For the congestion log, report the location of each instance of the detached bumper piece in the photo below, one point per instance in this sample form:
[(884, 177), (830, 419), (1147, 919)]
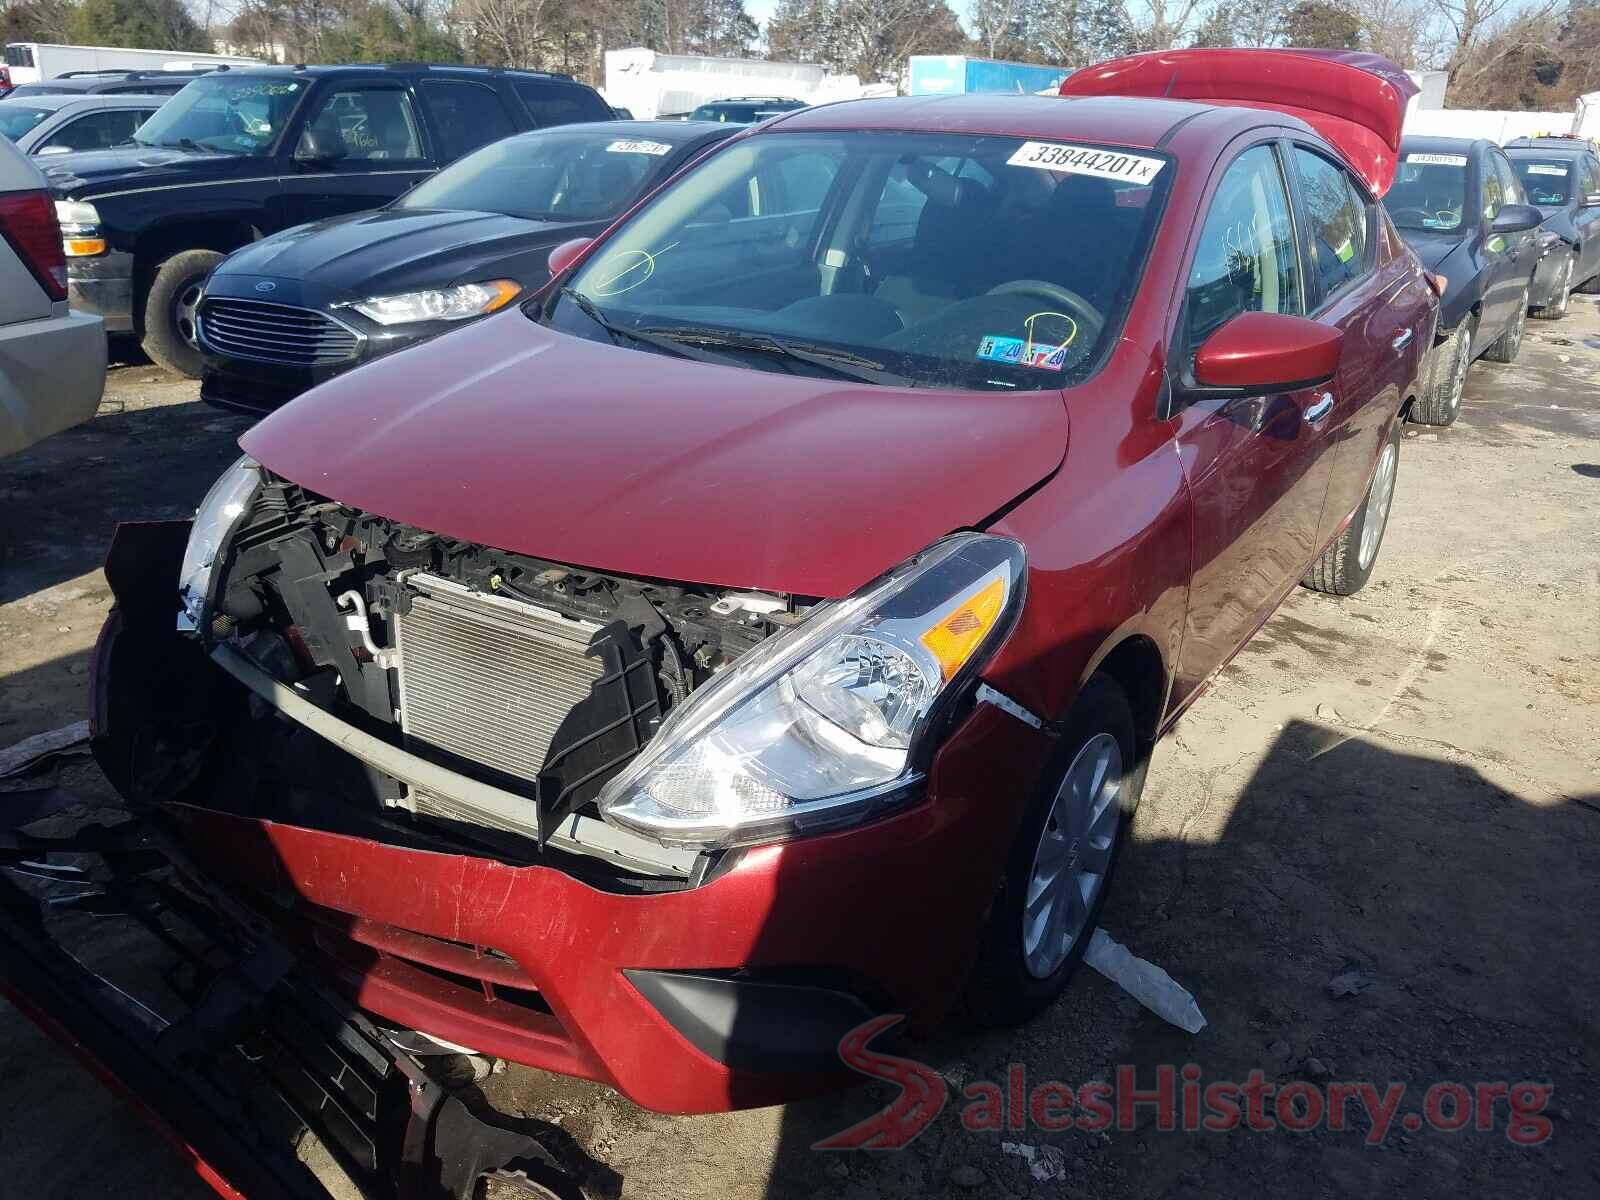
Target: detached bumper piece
[(190, 1009)]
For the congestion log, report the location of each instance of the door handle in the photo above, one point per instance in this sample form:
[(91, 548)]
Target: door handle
[(1318, 412), (1401, 342)]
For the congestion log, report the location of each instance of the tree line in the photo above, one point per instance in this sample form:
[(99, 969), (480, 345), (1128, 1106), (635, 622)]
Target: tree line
[(1497, 53)]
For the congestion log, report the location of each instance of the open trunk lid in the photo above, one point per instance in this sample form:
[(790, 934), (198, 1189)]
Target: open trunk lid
[(1354, 99)]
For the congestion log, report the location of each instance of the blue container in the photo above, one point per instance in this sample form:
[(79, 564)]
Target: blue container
[(954, 74)]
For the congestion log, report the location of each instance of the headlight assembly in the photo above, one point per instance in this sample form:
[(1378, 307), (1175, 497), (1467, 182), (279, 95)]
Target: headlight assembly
[(443, 304), (827, 723), (80, 229), (219, 513)]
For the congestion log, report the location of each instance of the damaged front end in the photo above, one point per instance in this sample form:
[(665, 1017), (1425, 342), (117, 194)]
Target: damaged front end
[(399, 682)]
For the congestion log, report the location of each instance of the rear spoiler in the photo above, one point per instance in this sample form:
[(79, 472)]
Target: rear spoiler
[(1357, 101)]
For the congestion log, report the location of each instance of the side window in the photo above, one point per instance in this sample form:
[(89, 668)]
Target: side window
[(368, 125), (1510, 185), (1494, 192), (1246, 260), (97, 131), (554, 104), (1336, 220), (802, 182), (465, 115), (1591, 178)]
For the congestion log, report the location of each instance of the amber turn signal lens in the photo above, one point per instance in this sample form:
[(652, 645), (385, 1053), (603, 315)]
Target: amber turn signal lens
[(953, 640), (83, 247)]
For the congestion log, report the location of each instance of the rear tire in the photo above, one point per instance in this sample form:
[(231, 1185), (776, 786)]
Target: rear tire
[(169, 307), (1347, 564), (1016, 978), (1504, 348), (1440, 402), (1557, 308)]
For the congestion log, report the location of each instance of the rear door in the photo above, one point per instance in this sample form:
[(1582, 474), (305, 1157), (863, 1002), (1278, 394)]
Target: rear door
[(1370, 296), (1257, 465), (379, 147)]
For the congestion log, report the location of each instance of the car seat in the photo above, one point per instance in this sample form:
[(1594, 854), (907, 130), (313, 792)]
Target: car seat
[(951, 255)]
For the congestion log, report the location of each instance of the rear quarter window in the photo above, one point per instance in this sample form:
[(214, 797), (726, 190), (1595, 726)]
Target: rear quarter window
[(558, 104)]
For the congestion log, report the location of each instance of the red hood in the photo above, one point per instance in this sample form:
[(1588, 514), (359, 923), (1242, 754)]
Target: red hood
[(514, 436), (1354, 99)]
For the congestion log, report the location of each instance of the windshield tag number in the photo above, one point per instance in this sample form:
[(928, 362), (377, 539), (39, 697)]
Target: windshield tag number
[(1085, 160), (1438, 160), (1541, 169), (627, 147)]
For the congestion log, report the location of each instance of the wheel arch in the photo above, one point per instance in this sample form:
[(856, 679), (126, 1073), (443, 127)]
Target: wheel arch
[(1136, 664), (161, 242)]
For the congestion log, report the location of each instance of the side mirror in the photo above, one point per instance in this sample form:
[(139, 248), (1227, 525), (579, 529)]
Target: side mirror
[(1268, 352), (1591, 200), (1516, 218), (564, 255), (319, 146)]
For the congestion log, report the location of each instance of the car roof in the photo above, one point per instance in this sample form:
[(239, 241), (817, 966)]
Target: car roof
[(59, 100), (1548, 147), (364, 70), (1118, 120), (1441, 145)]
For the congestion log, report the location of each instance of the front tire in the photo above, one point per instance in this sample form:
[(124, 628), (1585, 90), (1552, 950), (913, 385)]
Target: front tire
[(169, 310), (1059, 870), (1440, 403), (1505, 347), (1557, 308), (1346, 565)]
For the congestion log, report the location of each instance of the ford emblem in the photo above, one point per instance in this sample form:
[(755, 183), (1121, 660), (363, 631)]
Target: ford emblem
[(266, 285)]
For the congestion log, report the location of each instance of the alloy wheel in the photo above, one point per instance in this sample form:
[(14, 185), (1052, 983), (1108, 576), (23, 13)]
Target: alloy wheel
[(1563, 288), (1458, 380), (1379, 497), (1522, 323), (185, 311), (1073, 856)]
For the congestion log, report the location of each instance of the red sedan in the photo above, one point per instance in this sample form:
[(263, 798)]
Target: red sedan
[(770, 624)]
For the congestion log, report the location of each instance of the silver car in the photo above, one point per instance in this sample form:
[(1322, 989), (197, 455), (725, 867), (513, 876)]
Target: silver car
[(52, 360), (59, 124)]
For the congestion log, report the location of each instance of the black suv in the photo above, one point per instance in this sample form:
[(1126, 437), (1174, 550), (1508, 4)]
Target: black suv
[(746, 110), (244, 152)]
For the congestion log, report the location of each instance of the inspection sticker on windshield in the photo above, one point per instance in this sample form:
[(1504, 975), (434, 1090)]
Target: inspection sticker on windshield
[(1085, 160), (1541, 169), (656, 148), (1438, 160), (1019, 353)]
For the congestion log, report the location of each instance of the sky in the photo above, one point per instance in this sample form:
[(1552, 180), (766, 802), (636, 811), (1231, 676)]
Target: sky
[(761, 10)]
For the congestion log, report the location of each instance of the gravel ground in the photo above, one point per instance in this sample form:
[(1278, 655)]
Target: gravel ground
[(1403, 785)]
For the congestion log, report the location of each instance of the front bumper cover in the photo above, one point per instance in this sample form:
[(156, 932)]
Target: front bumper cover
[(103, 285), (529, 963)]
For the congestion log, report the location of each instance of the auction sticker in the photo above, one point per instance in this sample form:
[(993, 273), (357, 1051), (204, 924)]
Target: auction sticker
[(1438, 160), (657, 148), (1541, 169), (1086, 160), (1018, 353)]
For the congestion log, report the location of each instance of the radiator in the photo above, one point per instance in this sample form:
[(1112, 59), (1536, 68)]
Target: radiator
[(487, 679)]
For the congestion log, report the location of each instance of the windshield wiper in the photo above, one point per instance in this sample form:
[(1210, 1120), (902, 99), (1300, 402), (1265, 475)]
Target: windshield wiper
[(840, 362), (186, 144), (643, 336)]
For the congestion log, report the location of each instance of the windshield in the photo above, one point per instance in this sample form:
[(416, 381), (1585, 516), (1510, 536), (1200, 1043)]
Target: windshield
[(1548, 181), (549, 177), (937, 259), (15, 120), (1429, 191), (238, 115), (25, 90)]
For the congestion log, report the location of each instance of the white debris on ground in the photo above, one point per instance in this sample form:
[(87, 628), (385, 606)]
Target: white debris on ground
[(1045, 1163), (1144, 981)]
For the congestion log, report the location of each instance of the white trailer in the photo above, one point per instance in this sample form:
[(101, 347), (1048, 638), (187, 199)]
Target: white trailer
[(29, 62), (651, 85)]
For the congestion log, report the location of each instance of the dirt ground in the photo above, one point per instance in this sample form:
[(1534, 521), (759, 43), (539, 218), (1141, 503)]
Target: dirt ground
[(1405, 784)]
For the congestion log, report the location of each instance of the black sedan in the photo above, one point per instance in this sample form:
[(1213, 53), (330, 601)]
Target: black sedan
[(1459, 205), (304, 305), (1561, 175)]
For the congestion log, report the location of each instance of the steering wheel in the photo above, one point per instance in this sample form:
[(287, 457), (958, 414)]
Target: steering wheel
[(1423, 214), (1083, 314)]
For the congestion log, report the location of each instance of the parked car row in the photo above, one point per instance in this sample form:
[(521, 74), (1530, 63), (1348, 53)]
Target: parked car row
[(767, 622), (1504, 230)]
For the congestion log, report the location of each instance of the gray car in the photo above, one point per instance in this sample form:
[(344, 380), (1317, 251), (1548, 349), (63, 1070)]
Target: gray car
[(52, 360), (59, 124)]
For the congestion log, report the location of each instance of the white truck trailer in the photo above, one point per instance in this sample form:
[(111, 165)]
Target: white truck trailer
[(30, 62)]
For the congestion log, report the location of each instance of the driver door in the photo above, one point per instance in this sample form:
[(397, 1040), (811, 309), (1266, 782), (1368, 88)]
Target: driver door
[(379, 152), (1257, 466)]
